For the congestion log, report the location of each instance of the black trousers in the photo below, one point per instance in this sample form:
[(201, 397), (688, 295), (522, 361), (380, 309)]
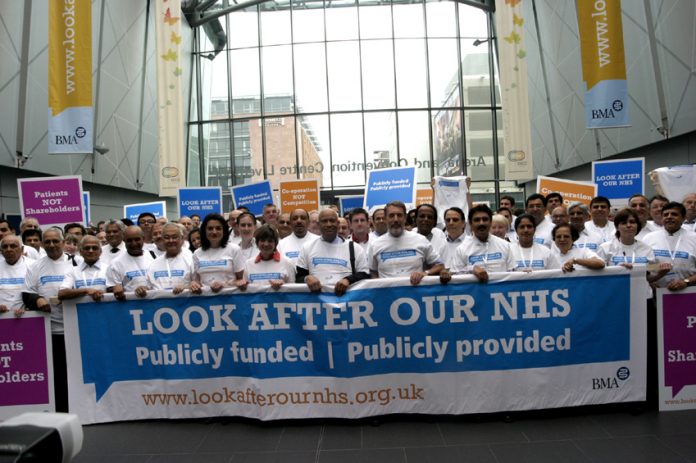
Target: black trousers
[(60, 373)]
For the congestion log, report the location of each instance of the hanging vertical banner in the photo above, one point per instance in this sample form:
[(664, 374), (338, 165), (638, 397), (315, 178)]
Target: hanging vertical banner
[(603, 63), (514, 91), (170, 112), (70, 114)]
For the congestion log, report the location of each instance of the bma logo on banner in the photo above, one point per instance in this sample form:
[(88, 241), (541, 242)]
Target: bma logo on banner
[(622, 374), (607, 113), (71, 139)]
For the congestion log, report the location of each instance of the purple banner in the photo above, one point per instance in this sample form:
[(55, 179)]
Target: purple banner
[(679, 334), (52, 200), (24, 378)]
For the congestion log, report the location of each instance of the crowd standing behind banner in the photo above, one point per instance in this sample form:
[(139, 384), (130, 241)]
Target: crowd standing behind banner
[(39, 268)]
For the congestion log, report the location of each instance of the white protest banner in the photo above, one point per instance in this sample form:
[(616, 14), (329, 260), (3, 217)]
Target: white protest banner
[(529, 341)]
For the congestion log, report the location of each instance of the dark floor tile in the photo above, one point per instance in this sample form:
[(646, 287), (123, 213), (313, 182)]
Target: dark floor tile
[(646, 449), (470, 433), (539, 452), (402, 434), (341, 437), (563, 428), (151, 437), (192, 458), (451, 454), (275, 457), (298, 437), (242, 437), (82, 458), (652, 422), (362, 456), (684, 444)]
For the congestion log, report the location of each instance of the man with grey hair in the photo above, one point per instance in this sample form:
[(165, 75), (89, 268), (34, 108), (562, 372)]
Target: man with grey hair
[(689, 203), (88, 278), (13, 270), (41, 287), (173, 270), (114, 237), (30, 223), (579, 215)]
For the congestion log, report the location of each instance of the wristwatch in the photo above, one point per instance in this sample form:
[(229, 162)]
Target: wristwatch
[(687, 281)]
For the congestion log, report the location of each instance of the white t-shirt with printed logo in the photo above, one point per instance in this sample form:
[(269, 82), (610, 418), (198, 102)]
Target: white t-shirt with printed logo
[(129, 271), (289, 247), (397, 256), (12, 281), (678, 249), (217, 264), (44, 279), (86, 276), (330, 262), (493, 255), (263, 271), (170, 272), (535, 257)]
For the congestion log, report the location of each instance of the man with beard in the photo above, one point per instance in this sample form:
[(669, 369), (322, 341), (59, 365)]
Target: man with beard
[(579, 215), (673, 246), (128, 272), (87, 278), (482, 252), (289, 247), (330, 259), (13, 271), (399, 252), (41, 287)]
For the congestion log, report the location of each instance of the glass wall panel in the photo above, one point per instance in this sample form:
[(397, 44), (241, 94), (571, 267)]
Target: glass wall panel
[(479, 145), (375, 21), (247, 149), (380, 139), (310, 77), (244, 28), (277, 79), (214, 77), (246, 85), (280, 149), (342, 23), (193, 171), (344, 76), (414, 144), (314, 148), (447, 142), (444, 75), (473, 22), (378, 74), (218, 152), (441, 19), (275, 27), (347, 150), (408, 20), (308, 25), (475, 74), (412, 82)]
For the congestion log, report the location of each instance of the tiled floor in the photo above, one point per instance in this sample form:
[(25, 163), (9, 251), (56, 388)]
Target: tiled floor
[(599, 434)]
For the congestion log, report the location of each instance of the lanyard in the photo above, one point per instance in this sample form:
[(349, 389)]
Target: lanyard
[(673, 254)]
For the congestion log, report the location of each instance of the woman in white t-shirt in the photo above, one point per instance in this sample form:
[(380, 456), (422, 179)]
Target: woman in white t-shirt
[(625, 249), (568, 256), (268, 267), (526, 254), (217, 263), (246, 222)]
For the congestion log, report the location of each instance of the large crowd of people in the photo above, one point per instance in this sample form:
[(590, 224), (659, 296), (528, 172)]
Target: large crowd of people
[(40, 268)]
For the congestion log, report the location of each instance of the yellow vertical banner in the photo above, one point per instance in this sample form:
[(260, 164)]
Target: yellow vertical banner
[(603, 63), (70, 112), (170, 114), (514, 90)]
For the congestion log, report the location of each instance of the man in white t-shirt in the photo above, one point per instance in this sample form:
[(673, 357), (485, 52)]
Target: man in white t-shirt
[(426, 218), (173, 270), (600, 224), (455, 223), (13, 271), (128, 272), (675, 247), (689, 203), (641, 207), (379, 223), (88, 278), (327, 259), (114, 236), (400, 252), (536, 207), (289, 247), (482, 252), (579, 215), (41, 287)]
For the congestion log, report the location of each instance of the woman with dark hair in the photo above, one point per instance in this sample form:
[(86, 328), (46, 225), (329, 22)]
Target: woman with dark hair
[(268, 267), (194, 239), (246, 222), (527, 254), (625, 249), (217, 263), (568, 256)]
